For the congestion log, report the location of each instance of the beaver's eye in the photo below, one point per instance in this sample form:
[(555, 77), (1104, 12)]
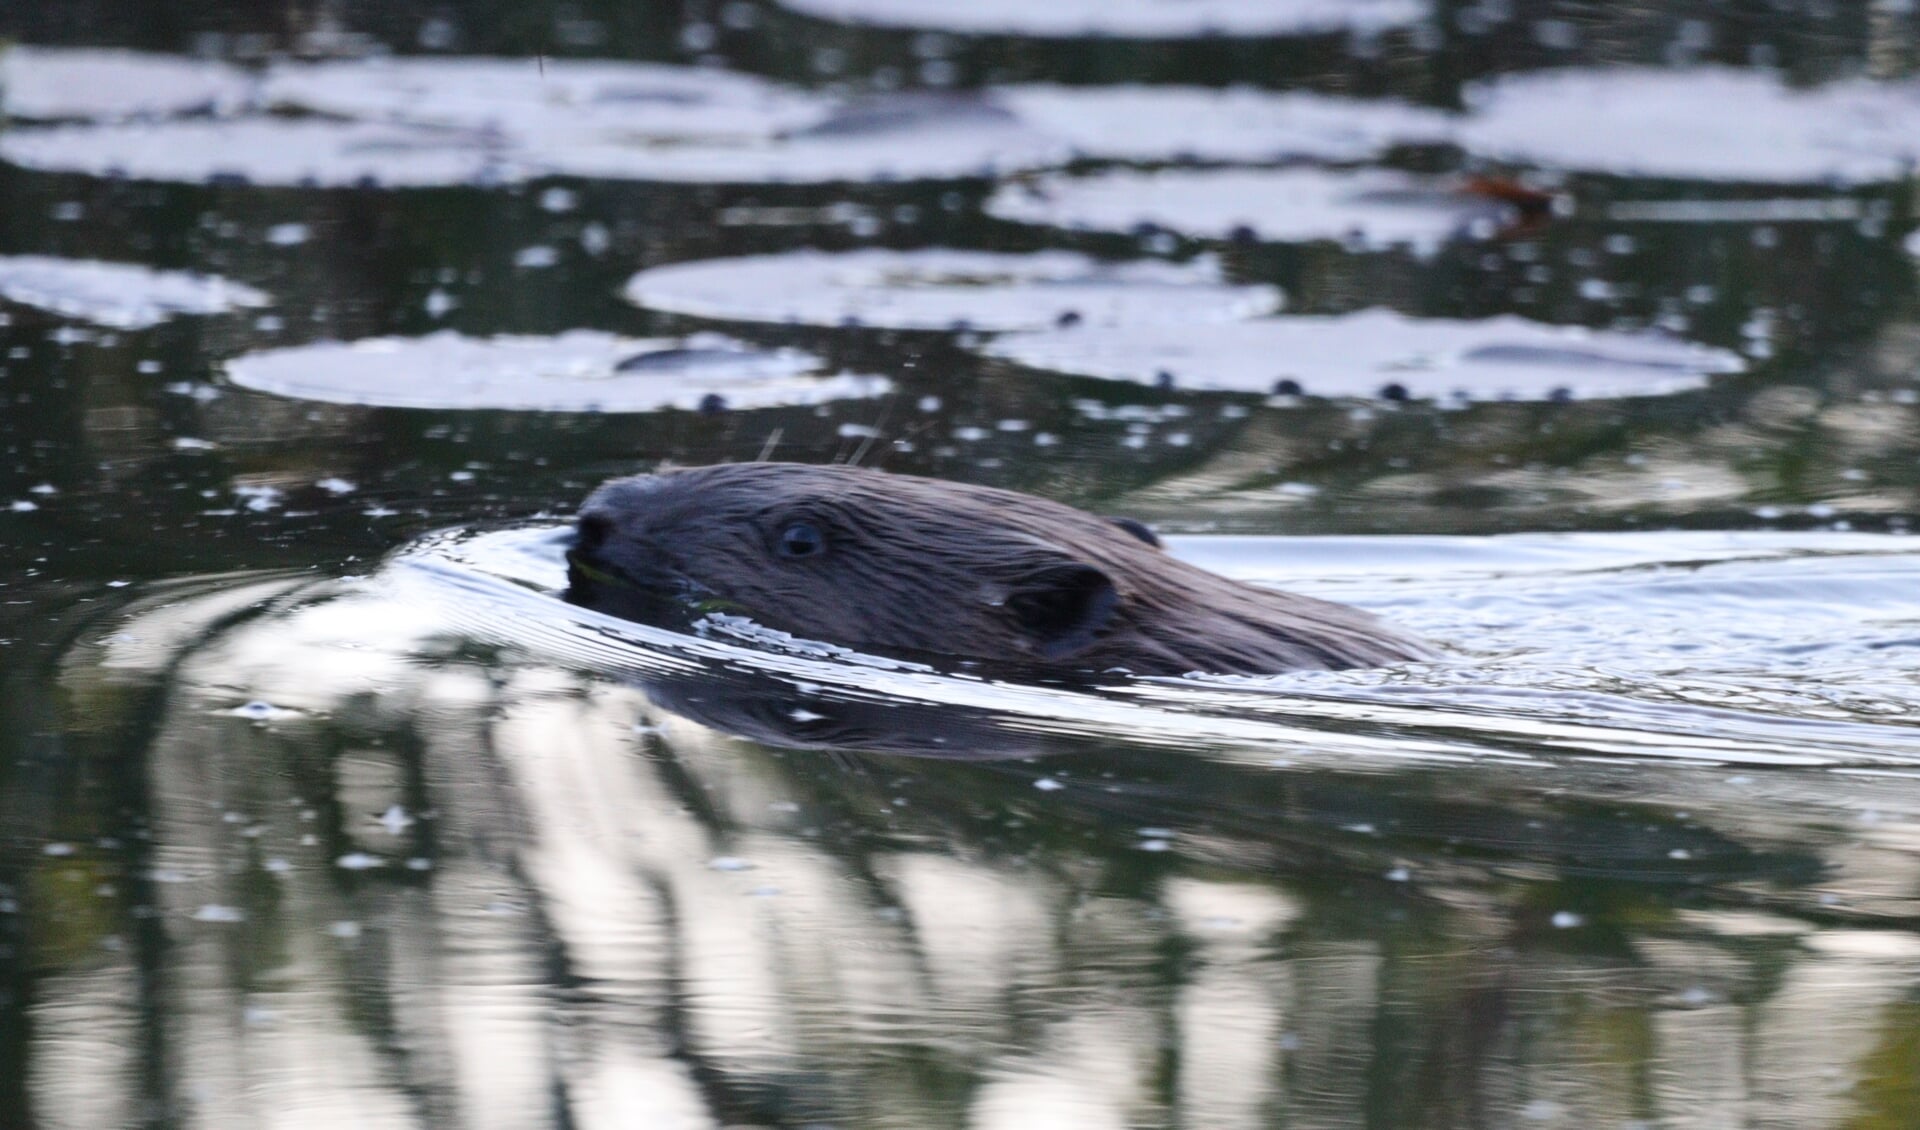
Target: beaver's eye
[(802, 539)]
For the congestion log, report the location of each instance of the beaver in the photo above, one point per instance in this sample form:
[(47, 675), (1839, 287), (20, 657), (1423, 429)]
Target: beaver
[(904, 565)]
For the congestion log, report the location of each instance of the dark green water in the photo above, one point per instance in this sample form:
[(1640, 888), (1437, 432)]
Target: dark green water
[(295, 832)]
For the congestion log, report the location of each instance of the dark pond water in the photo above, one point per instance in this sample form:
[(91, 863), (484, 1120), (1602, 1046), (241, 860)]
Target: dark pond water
[(1581, 339)]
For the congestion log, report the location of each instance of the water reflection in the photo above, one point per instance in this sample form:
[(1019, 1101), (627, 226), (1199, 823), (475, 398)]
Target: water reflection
[(501, 867), (425, 848)]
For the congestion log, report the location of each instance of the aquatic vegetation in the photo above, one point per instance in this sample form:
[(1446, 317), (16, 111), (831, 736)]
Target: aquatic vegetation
[(578, 371), (1377, 353), (120, 295), (941, 289), (1132, 18), (103, 85), (1369, 209), (1703, 123)]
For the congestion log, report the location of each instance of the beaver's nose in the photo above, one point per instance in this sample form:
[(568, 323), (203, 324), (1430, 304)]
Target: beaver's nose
[(620, 502)]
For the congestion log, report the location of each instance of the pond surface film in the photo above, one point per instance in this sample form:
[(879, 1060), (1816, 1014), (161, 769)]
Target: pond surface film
[(1578, 339)]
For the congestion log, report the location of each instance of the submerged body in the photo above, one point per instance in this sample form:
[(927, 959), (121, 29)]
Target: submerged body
[(896, 563)]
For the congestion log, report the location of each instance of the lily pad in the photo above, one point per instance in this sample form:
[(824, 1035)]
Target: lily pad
[(899, 136), (1164, 123), (64, 83), (124, 296), (941, 289), (426, 122), (562, 99), (1156, 19), (1378, 353), (1705, 123), (577, 371), (270, 151), (1374, 208)]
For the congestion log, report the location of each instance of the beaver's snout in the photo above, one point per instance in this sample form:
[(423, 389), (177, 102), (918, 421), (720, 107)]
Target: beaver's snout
[(621, 505)]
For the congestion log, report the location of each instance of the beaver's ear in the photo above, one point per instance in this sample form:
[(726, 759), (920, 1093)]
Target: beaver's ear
[(1065, 607)]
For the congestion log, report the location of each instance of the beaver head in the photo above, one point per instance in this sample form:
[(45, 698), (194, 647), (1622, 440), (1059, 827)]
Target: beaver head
[(901, 564)]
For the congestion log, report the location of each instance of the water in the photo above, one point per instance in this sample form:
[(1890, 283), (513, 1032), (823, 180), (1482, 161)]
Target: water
[(319, 808)]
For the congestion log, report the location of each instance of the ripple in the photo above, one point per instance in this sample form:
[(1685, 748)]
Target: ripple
[(1725, 649)]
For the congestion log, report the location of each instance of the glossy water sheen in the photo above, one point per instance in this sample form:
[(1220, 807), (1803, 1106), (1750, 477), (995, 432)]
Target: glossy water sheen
[(1583, 342), (478, 851)]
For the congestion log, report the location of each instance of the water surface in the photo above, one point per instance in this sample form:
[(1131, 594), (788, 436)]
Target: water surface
[(318, 807)]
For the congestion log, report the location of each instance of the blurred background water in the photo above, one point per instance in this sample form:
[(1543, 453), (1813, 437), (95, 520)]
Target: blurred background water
[(1579, 337)]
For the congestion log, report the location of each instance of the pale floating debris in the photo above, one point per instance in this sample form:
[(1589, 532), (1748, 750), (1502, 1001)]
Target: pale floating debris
[(729, 863), (1142, 19), (63, 83), (214, 912), (273, 152), (57, 850), (1159, 123), (1375, 208), (1705, 123), (942, 289), (568, 99), (346, 929), (125, 296), (577, 371), (1048, 785), (1379, 353), (359, 861), (1567, 920)]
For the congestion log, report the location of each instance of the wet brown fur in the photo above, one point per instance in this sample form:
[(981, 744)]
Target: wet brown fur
[(922, 565)]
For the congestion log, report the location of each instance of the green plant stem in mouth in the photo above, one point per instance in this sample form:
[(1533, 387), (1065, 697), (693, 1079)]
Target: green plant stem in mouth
[(703, 605), (599, 576)]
